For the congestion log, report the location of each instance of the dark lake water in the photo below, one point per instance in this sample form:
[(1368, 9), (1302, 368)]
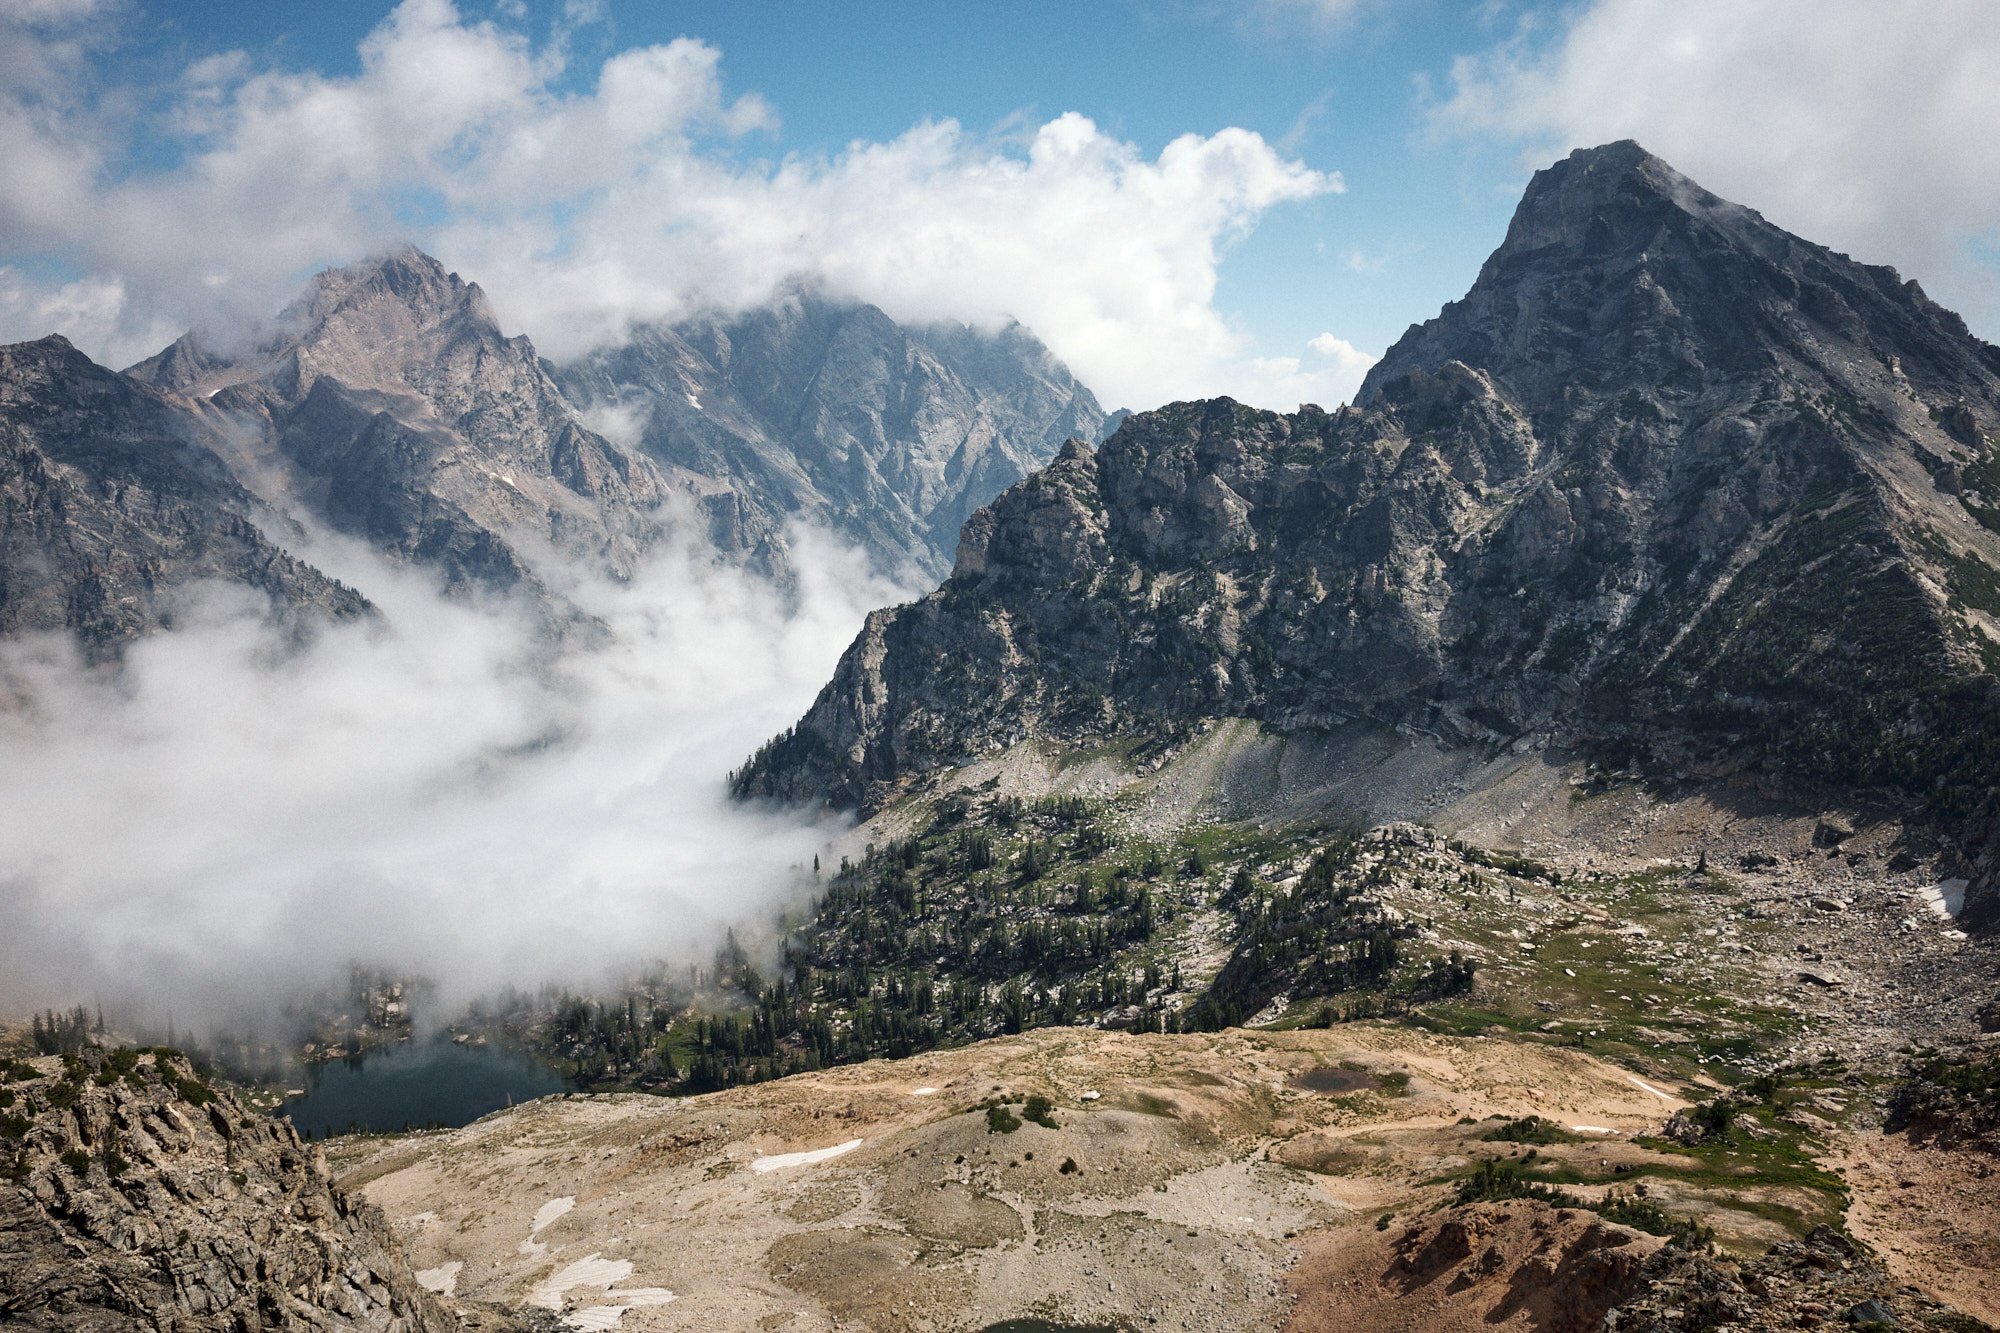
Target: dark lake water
[(414, 1085), (1332, 1078)]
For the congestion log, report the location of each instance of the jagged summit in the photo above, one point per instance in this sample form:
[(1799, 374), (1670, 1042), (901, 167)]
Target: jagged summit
[(830, 410), (1609, 198), (1617, 269), (405, 275)]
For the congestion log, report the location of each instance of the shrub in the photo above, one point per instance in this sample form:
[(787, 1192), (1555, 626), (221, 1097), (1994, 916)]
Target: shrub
[(1715, 1117), (1529, 1129), (77, 1160), (1040, 1110), (1000, 1120)]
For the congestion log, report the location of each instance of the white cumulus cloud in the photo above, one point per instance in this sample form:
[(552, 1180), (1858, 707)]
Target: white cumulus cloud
[(639, 197)]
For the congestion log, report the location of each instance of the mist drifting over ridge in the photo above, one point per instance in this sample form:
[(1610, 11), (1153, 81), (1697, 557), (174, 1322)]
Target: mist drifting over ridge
[(231, 819)]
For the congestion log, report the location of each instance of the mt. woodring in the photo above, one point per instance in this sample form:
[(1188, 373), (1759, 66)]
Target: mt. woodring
[(1669, 493)]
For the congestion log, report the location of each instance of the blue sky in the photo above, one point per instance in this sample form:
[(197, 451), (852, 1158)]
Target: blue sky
[(1390, 141)]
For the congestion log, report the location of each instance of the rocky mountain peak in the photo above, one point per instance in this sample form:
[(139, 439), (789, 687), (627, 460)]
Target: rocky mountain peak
[(404, 285), (827, 409), (1618, 273), (1660, 465), (1614, 197)]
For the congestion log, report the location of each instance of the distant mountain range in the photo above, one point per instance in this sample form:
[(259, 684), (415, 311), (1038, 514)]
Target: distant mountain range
[(889, 436), (390, 407), (1670, 489)]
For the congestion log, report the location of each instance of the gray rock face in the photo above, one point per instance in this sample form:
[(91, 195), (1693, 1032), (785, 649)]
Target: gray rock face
[(1662, 484), (891, 436), (112, 495), (394, 409), (390, 407), (140, 1199)]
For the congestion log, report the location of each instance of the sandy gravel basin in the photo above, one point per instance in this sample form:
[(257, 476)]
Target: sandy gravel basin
[(1179, 1196)]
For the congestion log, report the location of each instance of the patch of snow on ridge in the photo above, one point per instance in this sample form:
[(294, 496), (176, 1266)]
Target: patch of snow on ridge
[(443, 1279), (1946, 899), (779, 1161), (597, 1318), (547, 1214), (593, 1270)]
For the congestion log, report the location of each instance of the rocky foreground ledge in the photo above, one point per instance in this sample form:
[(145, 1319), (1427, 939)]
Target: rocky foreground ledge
[(135, 1196)]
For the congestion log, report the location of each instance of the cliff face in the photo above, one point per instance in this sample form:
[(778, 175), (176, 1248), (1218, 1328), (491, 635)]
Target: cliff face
[(391, 406), (134, 1197), (112, 495), (1669, 482), (809, 408)]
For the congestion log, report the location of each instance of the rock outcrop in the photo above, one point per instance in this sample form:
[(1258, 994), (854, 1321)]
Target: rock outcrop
[(1661, 486), (133, 1196), (113, 497), (813, 409)]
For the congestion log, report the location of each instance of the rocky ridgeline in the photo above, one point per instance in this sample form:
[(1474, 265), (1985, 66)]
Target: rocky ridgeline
[(1669, 483), (112, 495), (1570, 1272), (830, 411), (1823, 1280), (387, 404), (133, 1195)]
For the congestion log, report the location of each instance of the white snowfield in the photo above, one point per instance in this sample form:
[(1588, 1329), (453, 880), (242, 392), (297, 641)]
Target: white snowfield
[(779, 1161), (1946, 899), (595, 1270), (1643, 1084), (549, 1212), (443, 1279)]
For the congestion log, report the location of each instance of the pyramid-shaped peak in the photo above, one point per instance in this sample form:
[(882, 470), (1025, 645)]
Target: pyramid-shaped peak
[(1612, 196)]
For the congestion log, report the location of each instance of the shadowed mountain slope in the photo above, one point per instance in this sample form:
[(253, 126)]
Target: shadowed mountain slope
[(1669, 484), (112, 496)]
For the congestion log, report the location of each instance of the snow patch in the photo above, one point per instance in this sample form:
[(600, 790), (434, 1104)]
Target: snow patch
[(779, 1161), (547, 1214), (694, 402), (443, 1279), (1592, 1129), (923, 1092), (596, 1318), (1644, 1086), (1946, 899), (593, 1270)]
